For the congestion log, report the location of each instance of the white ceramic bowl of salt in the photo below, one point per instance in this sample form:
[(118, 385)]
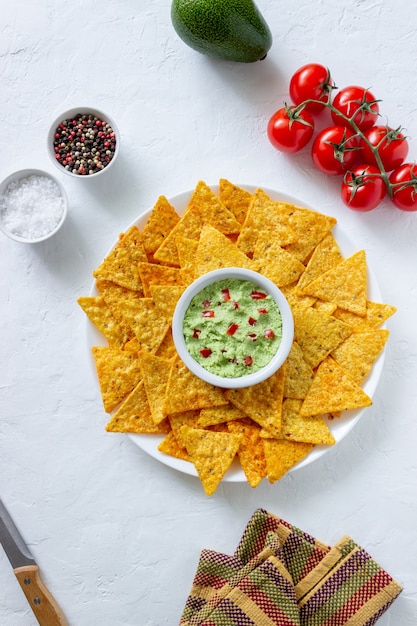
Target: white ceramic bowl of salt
[(33, 205)]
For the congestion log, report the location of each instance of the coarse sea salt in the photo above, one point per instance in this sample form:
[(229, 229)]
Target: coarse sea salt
[(31, 207)]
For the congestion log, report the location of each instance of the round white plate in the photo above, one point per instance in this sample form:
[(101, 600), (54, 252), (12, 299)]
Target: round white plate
[(339, 427)]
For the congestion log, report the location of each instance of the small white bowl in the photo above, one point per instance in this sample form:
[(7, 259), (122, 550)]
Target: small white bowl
[(249, 379), (69, 114), (17, 177)]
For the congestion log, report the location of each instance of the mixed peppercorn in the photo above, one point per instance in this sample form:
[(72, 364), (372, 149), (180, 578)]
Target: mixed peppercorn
[(84, 144)]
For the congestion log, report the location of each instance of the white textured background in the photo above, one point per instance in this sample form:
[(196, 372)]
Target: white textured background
[(117, 535)]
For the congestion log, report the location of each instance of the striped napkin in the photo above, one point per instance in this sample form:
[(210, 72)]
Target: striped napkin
[(281, 576)]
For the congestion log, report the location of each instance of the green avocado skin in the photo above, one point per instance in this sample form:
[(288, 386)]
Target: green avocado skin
[(232, 30)]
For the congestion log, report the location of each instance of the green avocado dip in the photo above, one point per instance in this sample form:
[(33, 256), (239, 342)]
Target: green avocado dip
[(232, 328)]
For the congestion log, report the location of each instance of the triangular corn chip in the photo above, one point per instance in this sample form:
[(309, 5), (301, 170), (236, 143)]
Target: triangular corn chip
[(212, 454), (333, 390), (161, 221), (262, 402), (345, 284), (295, 427), (186, 392), (101, 316), (215, 251), (120, 265), (359, 352), (281, 455), (212, 210), (118, 373), (235, 198), (134, 415)]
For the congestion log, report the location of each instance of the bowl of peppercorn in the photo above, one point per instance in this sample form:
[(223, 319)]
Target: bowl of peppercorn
[(83, 142)]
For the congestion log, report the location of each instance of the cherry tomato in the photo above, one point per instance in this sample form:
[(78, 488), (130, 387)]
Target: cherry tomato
[(289, 130), (351, 99), (311, 82), (404, 196), (391, 144), (363, 188), (334, 150)]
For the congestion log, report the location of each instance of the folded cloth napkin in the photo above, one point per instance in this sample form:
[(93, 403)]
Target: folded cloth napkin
[(281, 576)]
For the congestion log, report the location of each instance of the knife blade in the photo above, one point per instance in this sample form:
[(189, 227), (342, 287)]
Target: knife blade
[(26, 570)]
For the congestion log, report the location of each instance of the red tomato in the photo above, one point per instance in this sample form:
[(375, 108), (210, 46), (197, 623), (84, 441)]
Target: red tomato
[(404, 194), (290, 131), (355, 99), (311, 82), (391, 144), (363, 188), (334, 150)]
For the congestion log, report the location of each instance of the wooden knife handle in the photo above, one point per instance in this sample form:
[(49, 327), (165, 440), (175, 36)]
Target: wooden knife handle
[(46, 610)]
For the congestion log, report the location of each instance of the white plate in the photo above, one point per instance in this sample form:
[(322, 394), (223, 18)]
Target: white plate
[(339, 427)]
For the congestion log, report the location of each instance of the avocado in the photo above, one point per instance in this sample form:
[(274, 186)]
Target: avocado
[(232, 30)]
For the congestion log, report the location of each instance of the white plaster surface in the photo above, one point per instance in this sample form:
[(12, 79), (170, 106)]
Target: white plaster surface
[(117, 535)]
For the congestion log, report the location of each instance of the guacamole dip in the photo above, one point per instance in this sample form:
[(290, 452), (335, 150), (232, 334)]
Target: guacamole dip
[(232, 327)]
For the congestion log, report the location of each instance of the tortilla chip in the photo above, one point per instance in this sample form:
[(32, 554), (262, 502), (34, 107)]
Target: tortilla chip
[(262, 402), (152, 274), (134, 415), (281, 455), (118, 373), (310, 228), (212, 454), (166, 298), (189, 226), (186, 392), (317, 334), (251, 451), (235, 198), (155, 372), (166, 348), (144, 319), (212, 210), (219, 415), (178, 420), (132, 345), (294, 298), (333, 390), (119, 300), (162, 220), (276, 263), (376, 314), (101, 316), (344, 285), (325, 256), (215, 250), (187, 250), (359, 352), (326, 308), (263, 215), (170, 446), (306, 429), (298, 374), (120, 265)]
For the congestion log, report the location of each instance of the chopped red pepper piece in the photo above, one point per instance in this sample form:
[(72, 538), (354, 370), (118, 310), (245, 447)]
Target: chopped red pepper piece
[(226, 295), (206, 303), (205, 352), (208, 313), (232, 329), (248, 360), (253, 336), (269, 333), (235, 305), (252, 321), (196, 333), (258, 295), (262, 311)]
